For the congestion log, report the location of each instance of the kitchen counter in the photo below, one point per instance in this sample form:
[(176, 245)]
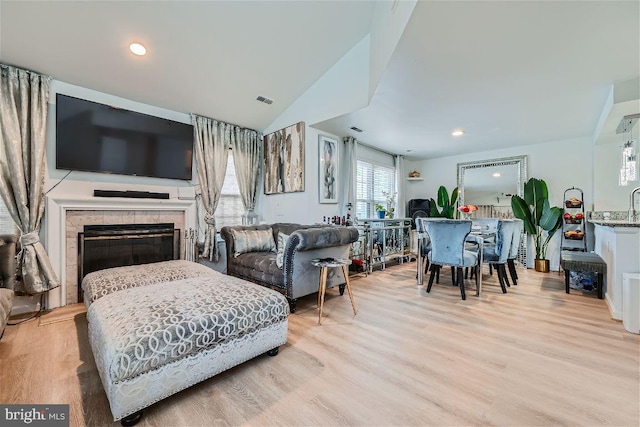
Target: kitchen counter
[(614, 223), (618, 243)]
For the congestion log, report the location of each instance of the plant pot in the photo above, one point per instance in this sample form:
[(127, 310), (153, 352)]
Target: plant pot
[(381, 214), (542, 265)]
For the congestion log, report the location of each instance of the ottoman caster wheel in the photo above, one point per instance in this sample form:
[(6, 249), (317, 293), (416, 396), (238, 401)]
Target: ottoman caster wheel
[(132, 419), (273, 351)]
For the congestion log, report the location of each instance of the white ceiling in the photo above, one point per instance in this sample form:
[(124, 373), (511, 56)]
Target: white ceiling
[(508, 72), (207, 57)]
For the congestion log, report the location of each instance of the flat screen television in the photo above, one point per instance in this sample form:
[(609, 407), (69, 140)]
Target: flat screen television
[(95, 137)]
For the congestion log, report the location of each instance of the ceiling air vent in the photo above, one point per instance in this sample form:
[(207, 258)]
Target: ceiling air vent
[(265, 100), (355, 129)]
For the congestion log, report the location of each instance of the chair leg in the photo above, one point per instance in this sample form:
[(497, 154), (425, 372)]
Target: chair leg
[(566, 281), (501, 280), (502, 270), (461, 283), (426, 264), (490, 269), (512, 271), (434, 268), (437, 267), (466, 272), (600, 285), (453, 276)]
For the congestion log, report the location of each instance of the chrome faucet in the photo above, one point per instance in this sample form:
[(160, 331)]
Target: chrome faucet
[(632, 210)]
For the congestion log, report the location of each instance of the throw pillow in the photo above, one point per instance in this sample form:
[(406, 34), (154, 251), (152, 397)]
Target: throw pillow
[(282, 242), (253, 241)]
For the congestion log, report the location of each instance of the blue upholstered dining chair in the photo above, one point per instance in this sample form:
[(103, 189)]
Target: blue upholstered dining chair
[(513, 252), (497, 254), (448, 239)]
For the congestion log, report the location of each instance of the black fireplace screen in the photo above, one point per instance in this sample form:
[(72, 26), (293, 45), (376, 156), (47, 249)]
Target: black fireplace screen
[(106, 246)]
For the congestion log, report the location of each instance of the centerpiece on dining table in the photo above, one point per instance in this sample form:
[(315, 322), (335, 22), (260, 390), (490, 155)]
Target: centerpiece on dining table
[(466, 211)]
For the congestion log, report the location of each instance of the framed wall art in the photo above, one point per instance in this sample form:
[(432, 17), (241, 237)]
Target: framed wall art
[(328, 167), (284, 160)]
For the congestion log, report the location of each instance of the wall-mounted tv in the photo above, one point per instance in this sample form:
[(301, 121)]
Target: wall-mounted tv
[(95, 137)]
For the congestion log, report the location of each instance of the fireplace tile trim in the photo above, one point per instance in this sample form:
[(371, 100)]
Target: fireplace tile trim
[(56, 233)]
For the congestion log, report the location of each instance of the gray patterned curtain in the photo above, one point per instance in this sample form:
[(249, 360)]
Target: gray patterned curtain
[(247, 156), (350, 170), (24, 97), (212, 140)]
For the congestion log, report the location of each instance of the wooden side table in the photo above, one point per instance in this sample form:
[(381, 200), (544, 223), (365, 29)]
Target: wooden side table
[(325, 264)]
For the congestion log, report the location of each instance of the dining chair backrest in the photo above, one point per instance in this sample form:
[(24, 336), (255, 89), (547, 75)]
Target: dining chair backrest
[(504, 236), (447, 240), (485, 224), (517, 235), (425, 239)]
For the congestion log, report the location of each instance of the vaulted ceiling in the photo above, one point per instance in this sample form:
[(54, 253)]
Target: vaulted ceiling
[(507, 72)]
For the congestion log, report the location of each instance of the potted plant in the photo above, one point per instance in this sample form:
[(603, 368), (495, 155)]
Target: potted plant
[(391, 204), (448, 205), (541, 221), (380, 211)]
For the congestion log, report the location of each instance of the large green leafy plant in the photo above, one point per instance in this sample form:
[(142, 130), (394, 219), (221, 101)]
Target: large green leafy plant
[(448, 205), (540, 219)]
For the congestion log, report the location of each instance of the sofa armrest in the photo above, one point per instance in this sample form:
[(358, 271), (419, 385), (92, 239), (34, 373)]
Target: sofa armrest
[(320, 237)]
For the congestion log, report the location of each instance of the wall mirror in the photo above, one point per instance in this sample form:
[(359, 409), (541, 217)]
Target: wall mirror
[(490, 184)]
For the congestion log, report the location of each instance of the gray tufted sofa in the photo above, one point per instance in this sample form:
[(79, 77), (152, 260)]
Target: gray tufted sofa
[(297, 277)]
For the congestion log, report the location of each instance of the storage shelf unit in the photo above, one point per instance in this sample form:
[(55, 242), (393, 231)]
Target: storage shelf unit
[(573, 236), (385, 239)]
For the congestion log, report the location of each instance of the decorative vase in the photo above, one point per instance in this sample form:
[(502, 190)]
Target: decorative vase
[(542, 265), (381, 214)]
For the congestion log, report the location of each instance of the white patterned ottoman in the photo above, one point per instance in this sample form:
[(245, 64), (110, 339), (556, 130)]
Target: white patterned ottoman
[(104, 282), (151, 342)]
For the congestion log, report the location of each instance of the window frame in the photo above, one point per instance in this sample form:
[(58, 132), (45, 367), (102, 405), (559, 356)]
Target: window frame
[(371, 202)]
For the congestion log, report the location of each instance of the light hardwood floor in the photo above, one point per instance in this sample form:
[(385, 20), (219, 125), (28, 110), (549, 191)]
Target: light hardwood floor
[(535, 356)]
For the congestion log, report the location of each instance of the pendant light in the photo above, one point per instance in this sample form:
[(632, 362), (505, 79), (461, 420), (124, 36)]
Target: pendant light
[(629, 160)]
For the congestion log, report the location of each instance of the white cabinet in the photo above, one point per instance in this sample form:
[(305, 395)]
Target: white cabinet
[(619, 247)]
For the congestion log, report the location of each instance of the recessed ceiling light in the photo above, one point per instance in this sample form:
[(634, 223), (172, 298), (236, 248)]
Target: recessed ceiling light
[(457, 132), (496, 175), (137, 49)]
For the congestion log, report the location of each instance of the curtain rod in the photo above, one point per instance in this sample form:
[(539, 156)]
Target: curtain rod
[(374, 148), (226, 123)]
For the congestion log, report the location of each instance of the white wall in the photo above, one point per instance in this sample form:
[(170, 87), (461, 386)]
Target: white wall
[(562, 164), (389, 21)]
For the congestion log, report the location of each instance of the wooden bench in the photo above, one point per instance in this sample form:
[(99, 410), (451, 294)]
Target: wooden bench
[(584, 261)]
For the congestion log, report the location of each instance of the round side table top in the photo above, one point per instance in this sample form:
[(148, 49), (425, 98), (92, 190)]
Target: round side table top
[(330, 262)]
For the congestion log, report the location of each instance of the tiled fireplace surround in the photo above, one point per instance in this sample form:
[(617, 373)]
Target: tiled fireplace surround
[(67, 216)]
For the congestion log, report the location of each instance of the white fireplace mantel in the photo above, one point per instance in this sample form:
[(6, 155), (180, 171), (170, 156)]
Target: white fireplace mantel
[(56, 213)]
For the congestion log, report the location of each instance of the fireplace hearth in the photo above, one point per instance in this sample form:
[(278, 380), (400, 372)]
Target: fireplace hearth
[(107, 246)]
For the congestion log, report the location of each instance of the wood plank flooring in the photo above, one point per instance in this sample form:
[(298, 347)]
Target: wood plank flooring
[(535, 356)]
